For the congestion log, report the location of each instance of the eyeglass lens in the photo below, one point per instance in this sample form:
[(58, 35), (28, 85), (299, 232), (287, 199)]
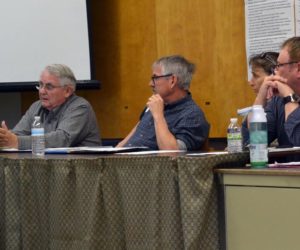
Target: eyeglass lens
[(47, 86)]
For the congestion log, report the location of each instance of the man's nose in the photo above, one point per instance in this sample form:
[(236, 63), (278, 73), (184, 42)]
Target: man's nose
[(42, 90), (151, 83)]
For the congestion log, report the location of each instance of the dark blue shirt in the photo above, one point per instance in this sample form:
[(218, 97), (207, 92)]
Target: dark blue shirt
[(286, 132), (186, 121)]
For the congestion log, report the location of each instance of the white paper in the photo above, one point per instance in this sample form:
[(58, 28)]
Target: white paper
[(285, 165), (297, 13), (152, 152), (283, 149), (14, 150), (208, 153), (109, 149), (268, 24)]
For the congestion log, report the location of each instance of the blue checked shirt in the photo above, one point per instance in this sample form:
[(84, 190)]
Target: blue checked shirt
[(186, 121)]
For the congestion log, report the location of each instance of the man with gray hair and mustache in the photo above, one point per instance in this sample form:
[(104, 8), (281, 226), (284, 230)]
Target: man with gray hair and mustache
[(68, 120), (171, 120)]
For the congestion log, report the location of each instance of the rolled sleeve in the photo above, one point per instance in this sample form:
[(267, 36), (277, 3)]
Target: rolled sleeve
[(292, 127)]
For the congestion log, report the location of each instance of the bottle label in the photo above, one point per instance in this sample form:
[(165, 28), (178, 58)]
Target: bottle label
[(258, 146), (258, 153), (258, 137), (234, 136), (254, 126), (234, 142), (37, 131)]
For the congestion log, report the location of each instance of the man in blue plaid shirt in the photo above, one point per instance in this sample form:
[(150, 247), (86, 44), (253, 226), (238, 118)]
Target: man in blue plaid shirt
[(171, 120)]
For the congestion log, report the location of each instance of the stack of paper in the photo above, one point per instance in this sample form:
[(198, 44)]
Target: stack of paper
[(295, 164), (92, 150)]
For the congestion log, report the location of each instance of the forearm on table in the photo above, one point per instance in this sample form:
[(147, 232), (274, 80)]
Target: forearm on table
[(125, 140), (165, 139)]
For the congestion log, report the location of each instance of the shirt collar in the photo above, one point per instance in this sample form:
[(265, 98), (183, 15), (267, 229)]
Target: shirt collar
[(58, 108), (178, 102)]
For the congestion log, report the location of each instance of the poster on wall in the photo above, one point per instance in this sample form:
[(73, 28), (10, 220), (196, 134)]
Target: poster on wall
[(269, 23)]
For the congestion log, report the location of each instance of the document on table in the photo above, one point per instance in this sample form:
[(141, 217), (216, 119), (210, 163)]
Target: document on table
[(92, 150), (14, 150), (152, 152), (283, 149), (208, 153), (79, 150), (295, 164)]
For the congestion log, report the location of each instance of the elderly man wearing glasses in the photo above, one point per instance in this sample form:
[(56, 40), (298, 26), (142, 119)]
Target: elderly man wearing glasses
[(171, 120), (68, 119), (283, 91)]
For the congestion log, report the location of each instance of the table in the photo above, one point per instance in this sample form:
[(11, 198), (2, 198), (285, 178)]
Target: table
[(261, 208), (110, 202)]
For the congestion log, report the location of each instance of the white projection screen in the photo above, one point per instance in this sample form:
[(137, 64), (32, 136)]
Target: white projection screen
[(35, 33)]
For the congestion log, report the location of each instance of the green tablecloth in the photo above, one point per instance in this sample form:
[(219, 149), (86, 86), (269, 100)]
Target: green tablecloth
[(111, 202)]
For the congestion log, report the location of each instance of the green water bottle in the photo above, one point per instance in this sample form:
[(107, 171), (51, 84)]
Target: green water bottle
[(258, 137)]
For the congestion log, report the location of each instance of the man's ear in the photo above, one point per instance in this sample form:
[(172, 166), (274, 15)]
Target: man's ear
[(298, 67), (298, 70), (68, 91), (174, 81)]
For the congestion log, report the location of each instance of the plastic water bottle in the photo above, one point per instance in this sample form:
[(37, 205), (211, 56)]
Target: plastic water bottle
[(234, 137), (258, 137), (37, 137)]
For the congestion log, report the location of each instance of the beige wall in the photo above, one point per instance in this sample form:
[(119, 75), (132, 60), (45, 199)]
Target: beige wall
[(129, 35)]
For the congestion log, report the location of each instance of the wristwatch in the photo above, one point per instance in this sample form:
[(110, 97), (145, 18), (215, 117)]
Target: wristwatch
[(293, 98)]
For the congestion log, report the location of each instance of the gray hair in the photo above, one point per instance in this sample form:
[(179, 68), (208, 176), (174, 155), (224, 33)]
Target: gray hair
[(64, 73), (178, 66)]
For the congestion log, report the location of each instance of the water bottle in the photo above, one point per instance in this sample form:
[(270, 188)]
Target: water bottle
[(258, 137), (37, 137), (234, 137)]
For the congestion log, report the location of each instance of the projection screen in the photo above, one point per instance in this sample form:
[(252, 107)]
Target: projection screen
[(35, 33)]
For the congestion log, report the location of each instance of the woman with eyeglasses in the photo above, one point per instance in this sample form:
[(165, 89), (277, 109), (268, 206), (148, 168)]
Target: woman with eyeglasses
[(262, 65)]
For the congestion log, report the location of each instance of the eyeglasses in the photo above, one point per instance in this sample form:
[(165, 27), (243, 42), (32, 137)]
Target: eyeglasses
[(266, 56), (278, 65), (46, 86), (157, 77)]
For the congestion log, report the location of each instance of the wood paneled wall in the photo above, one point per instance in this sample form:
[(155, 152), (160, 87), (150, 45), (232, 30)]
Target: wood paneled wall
[(129, 35)]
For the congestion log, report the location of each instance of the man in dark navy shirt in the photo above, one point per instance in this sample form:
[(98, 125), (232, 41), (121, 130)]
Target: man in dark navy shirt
[(172, 120), (283, 110)]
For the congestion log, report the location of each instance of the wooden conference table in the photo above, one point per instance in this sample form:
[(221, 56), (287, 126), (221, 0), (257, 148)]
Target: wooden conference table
[(110, 201)]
